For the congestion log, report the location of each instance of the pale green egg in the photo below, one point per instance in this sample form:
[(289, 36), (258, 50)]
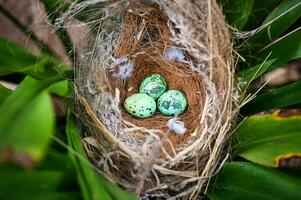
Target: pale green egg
[(153, 85), (172, 102), (140, 105)]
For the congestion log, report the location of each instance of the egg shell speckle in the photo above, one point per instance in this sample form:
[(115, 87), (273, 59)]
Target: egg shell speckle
[(172, 102), (153, 85), (140, 105)]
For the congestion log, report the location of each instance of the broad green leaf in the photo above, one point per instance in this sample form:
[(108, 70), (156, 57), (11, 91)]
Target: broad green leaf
[(57, 161), (253, 73), (270, 139), (46, 196), (274, 98), (284, 49), (4, 93), (93, 185), (237, 11), (59, 88), (14, 180), (261, 9), (15, 58), (27, 122), (248, 181), (22, 96), (276, 23), (29, 133), (37, 184), (290, 7)]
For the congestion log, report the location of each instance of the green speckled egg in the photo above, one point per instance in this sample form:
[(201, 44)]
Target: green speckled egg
[(172, 102), (153, 85), (140, 105)]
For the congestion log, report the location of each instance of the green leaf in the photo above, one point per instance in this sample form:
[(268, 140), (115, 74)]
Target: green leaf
[(237, 11), (22, 96), (284, 49), (38, 184), (57, 161), (46, 196), (27, 122), (4, 93), (247, 181), (286, 11), (13, 180), (276, 23), (252, 73), (270, 139), (93, 185), (28, 135), (261, 9), (59, 88), (15, 58), (274, 98)]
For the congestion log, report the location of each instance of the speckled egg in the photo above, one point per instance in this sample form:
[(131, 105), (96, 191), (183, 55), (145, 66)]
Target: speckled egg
[(140, 105), (172, 102), (153, 85)]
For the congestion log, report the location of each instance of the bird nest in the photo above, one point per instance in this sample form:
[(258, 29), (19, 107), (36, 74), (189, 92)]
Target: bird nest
[(188, 43)]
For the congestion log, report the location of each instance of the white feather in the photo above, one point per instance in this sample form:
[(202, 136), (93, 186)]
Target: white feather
[(174, 53), (177, 126), (122, 67)]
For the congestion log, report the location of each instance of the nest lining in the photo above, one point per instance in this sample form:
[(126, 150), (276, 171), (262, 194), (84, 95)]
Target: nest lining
[(144, 155)]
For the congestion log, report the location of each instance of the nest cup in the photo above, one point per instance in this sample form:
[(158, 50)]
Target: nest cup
[(188, 44)]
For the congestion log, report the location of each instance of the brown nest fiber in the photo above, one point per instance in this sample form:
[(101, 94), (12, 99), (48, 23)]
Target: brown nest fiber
[(188, 43)]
